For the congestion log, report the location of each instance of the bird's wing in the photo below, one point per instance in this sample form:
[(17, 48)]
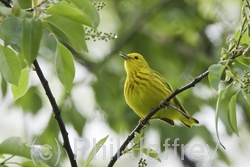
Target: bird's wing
[(162, 79), (175, 99)]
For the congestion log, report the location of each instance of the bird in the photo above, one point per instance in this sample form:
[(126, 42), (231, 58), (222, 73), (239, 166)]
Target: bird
[(145, 89)]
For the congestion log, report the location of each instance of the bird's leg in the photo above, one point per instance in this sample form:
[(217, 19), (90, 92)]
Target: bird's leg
[(177, 109), (164, 105), (143, 124)]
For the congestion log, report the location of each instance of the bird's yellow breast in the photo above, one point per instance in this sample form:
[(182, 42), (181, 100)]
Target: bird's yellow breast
[(145, 89), (142, 93)]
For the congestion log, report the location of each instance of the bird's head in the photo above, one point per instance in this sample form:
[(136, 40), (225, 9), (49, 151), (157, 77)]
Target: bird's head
[(134, 62)]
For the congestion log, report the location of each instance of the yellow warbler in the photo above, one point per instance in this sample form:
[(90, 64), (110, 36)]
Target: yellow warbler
[(145, 89)]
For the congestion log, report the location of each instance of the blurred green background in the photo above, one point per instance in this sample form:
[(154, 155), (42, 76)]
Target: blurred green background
[(178, 38)]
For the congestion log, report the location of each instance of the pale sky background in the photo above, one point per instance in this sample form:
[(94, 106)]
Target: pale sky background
[(14, 123)]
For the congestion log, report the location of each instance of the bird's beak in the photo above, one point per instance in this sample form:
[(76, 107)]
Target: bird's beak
[(124, 55)]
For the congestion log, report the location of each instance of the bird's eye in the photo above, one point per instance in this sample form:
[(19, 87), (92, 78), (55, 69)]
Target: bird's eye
[(136, 57)]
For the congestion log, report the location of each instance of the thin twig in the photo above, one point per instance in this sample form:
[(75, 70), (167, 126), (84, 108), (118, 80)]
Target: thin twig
[(179, 110), (151, 113), (4, 161), (7, 3), (57, 113), (162, 105), (54, 105)]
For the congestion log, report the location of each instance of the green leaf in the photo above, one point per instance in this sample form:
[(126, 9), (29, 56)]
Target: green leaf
[(214, 76), (5, 11), (31, 164), (77, 120), (9, 65), (22, 60), (48, 133), (65, 67), (70, 12), (237, 34), (2, 156), (94, 150), (246, 52), (225, 54), (11, 29), (138, 137), (48, 46), (217, 111), (19, 90), (245, 39), (246, 96), (15, 146), (248, 31), (228, 75), (24, 4), (69, 31), (232, 114), (29, 105), (32, 35), (3, 87), (151, 153), (35, 3), (89, 11), (72, 116), (16, 11), (244, 61)]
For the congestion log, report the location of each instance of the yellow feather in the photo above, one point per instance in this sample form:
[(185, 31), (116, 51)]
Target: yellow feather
[(145, 89)]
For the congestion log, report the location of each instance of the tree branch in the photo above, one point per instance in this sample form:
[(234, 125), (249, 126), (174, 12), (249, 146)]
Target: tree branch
[(165, 103), (7, 3), (57, 113), (53, 103), (151, 113)]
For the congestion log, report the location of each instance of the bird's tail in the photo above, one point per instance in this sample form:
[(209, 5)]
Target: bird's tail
[(189, 122)]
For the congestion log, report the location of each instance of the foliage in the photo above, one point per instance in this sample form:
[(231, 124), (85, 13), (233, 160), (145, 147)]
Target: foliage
[(225, 76), (94, 150), (180, 39), (23, 33)]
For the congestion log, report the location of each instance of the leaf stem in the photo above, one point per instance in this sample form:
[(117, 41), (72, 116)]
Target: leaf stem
[(4, 161)]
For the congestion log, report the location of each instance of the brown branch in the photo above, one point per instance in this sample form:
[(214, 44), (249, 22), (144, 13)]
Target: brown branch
[(57, 113), (7, 3), (165, 103), (151, 113), (54, 105)]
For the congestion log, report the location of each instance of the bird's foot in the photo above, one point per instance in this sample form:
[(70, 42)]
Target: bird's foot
[(143, 123)]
